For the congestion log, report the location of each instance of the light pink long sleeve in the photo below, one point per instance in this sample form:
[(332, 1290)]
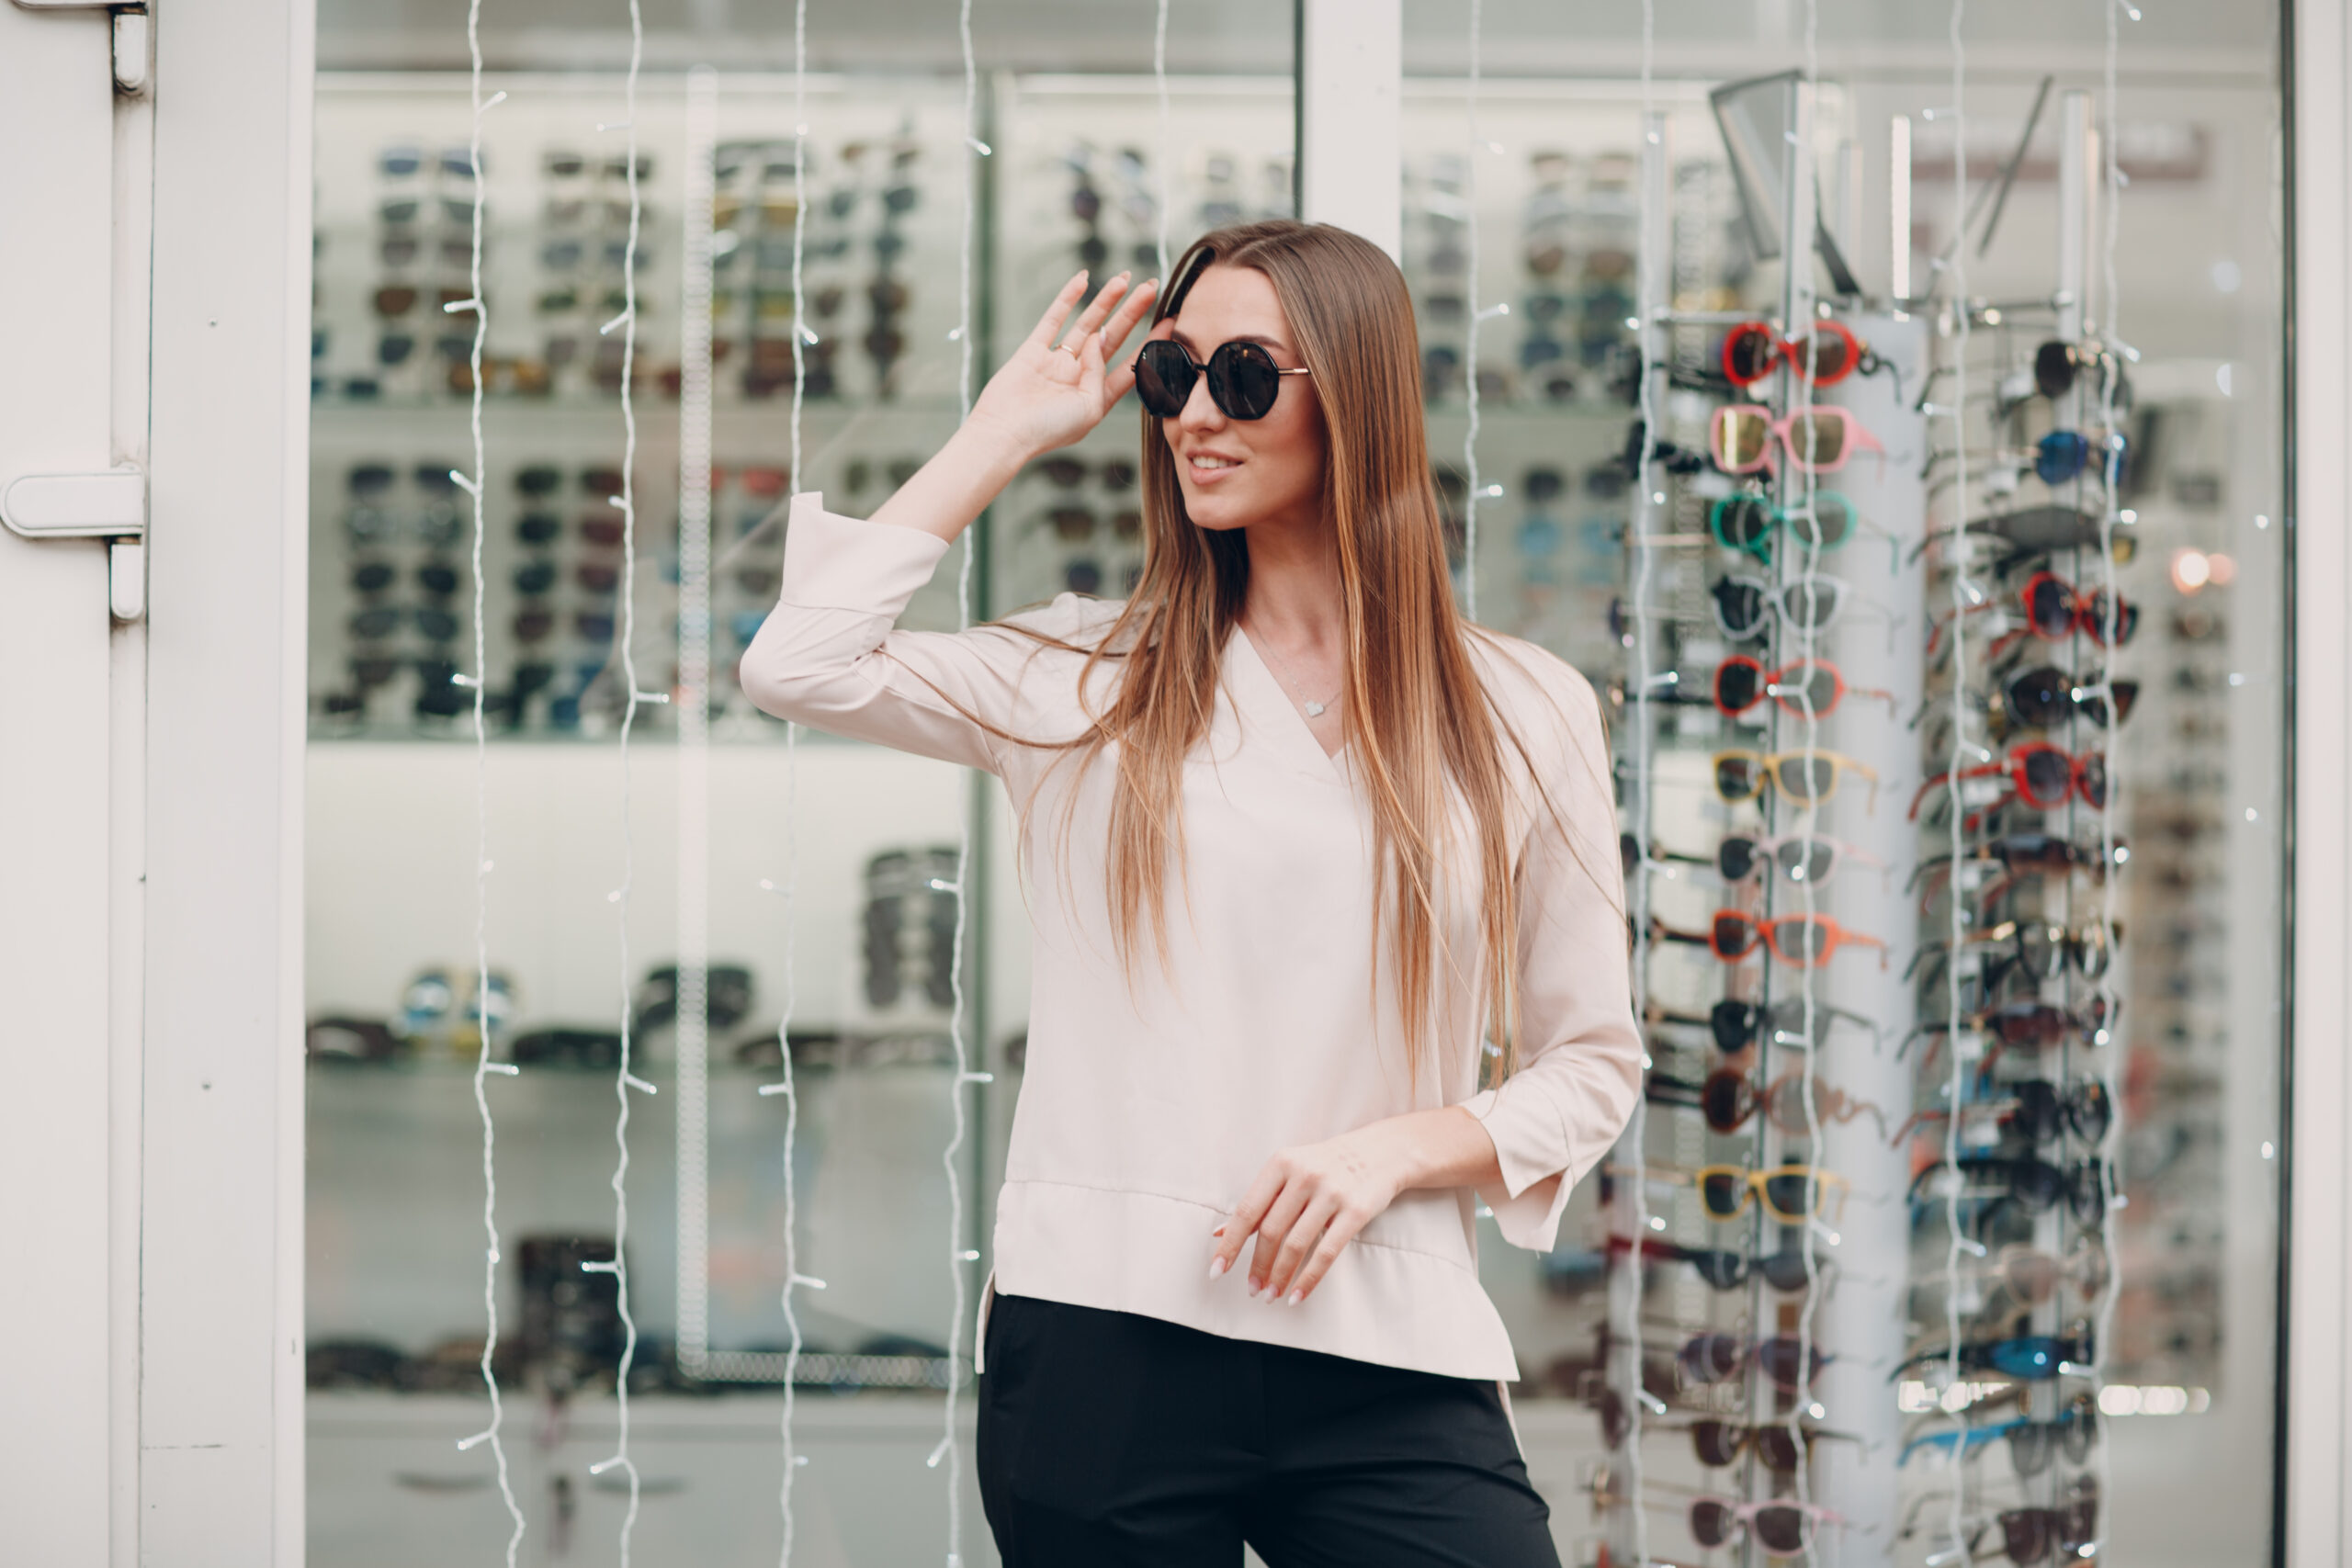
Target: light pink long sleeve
[(1143, 1114)]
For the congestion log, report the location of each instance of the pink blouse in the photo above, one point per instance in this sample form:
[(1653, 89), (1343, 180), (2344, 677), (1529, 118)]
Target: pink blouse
[(1141, 1122)]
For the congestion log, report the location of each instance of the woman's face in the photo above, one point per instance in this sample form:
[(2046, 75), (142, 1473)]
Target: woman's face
[(1237, 472)]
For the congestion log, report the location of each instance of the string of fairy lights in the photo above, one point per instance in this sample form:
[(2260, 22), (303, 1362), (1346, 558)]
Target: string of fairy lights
[(472, 485)]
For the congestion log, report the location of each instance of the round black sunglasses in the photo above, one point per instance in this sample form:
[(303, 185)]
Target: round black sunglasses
[(1244, 380)]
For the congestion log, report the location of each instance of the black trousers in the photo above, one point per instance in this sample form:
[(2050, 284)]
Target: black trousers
[(1108, 1439)]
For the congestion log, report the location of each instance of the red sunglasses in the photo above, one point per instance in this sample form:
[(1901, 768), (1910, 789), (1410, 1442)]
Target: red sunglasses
[(1741, 682), (2038, 773), (1752, 349), (1806, 942)]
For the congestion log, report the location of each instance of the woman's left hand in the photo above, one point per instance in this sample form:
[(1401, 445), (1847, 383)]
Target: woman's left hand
[(1309, 1202), (1306, 1206)]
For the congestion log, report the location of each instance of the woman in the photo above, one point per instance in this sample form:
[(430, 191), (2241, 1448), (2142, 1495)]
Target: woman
[(1363, 798)]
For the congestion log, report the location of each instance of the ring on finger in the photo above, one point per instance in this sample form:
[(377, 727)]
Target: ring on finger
[(1073, 353)]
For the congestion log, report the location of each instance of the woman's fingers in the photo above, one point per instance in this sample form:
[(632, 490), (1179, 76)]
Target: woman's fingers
[(1235, 1233), (1305, 1233), (1049, 326), (1273, 1230), (1098, 310), (1341, 1230), (1131, 312)]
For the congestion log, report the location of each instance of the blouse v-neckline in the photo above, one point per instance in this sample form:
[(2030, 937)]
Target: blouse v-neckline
[(1296, 734)]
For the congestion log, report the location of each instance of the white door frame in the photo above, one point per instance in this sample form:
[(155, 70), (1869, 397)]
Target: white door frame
[(220, 1357)]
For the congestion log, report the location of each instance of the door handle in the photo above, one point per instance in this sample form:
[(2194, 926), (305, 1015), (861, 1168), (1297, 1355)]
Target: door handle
[(77, 506)]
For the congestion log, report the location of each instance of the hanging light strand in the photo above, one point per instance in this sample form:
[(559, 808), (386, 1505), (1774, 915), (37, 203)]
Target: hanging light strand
[(949, 1455), (1159, 86), (1956, 766), (2110, 873), (689, 990), (472, 484), (1470, 352), (1652, 268)]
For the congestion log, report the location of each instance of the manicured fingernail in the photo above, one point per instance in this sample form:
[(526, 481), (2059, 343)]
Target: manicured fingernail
[(1220, 1230), (1295, 1297), (1216, 1267), (1256, 1285)]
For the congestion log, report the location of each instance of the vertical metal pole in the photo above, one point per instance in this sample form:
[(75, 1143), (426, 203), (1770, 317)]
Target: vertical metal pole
[(2073, 224)]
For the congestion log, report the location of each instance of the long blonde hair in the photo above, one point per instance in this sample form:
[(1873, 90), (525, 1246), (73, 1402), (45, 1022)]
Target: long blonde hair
[(1420, 716)]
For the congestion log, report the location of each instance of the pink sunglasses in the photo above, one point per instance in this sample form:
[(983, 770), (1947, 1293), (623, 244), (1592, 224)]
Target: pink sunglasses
[(1818, 439)]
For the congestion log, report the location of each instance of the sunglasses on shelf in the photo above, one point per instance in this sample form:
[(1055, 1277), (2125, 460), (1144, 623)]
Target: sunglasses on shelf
[(2020, 855), (2032, 1276), (1822, 357), (1723, 1271), (2055, 611), (2028, 1358), (2045, 698), (1746, 521), (2032, 1444), (1729, 1097), (1782, 1527), (2035, 1109), (1803, 942), (2039, 949), (2033, 1185), (1244, 380), (1720, 1357), (2042, 775), (2023, 1025), (1790, 1194), (1809, 688), (1809, 778), (1817, 438), (2039, 530), (2061, 456), (1745, 605), (1746, 857)]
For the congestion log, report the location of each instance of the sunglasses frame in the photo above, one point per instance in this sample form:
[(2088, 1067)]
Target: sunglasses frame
[(2013, 768), (1218, 370), (1772, 764), (1790, 351), (1769, 686), (1856, 438)]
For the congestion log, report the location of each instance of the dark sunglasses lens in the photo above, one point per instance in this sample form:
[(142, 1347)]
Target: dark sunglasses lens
[(1736, 778), (1164, 374), (1743, 521), (1810, 604), (2036, 1118), (2049, 605), (1803, 939), (2094, 780), (1792, 1194), (2039, 698), (1722, 1194), (1781, 1528), (2086, 1192), (1785, 1270), (2089, 1110), (2025, 1534), (1814, 692), (1735, 859), (1741, 607), (1739, 684), (2078, 1430), (1779, 1358), (1807, 860), (2036, 1185), (1749, 351), (1718, 1442), (1723, 1271), (2053, 369), (1824, 524), (1733, 1024), (1822, 357), (2045, 774), (1808, 778), (1734, 934), (1723, 1101), (1244, 380), (1712, 1357), (1711, 1522), (2126, 617), (2032, 1447), (1779, 1449)]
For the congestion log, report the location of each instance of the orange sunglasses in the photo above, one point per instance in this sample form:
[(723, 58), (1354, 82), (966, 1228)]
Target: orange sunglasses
[(1803, 942)]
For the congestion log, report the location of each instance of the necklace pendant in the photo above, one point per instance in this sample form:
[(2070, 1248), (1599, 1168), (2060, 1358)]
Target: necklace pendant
[(1315, 710)]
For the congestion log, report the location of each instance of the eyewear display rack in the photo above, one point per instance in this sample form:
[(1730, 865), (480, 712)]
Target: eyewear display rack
[(2015, 1261), (1756, 1283)]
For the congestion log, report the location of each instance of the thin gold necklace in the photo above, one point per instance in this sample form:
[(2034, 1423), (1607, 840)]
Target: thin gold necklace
[(1314, 708)]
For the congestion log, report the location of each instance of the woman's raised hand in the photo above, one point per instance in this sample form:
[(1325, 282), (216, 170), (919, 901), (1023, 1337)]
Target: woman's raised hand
[(1048, 394)]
